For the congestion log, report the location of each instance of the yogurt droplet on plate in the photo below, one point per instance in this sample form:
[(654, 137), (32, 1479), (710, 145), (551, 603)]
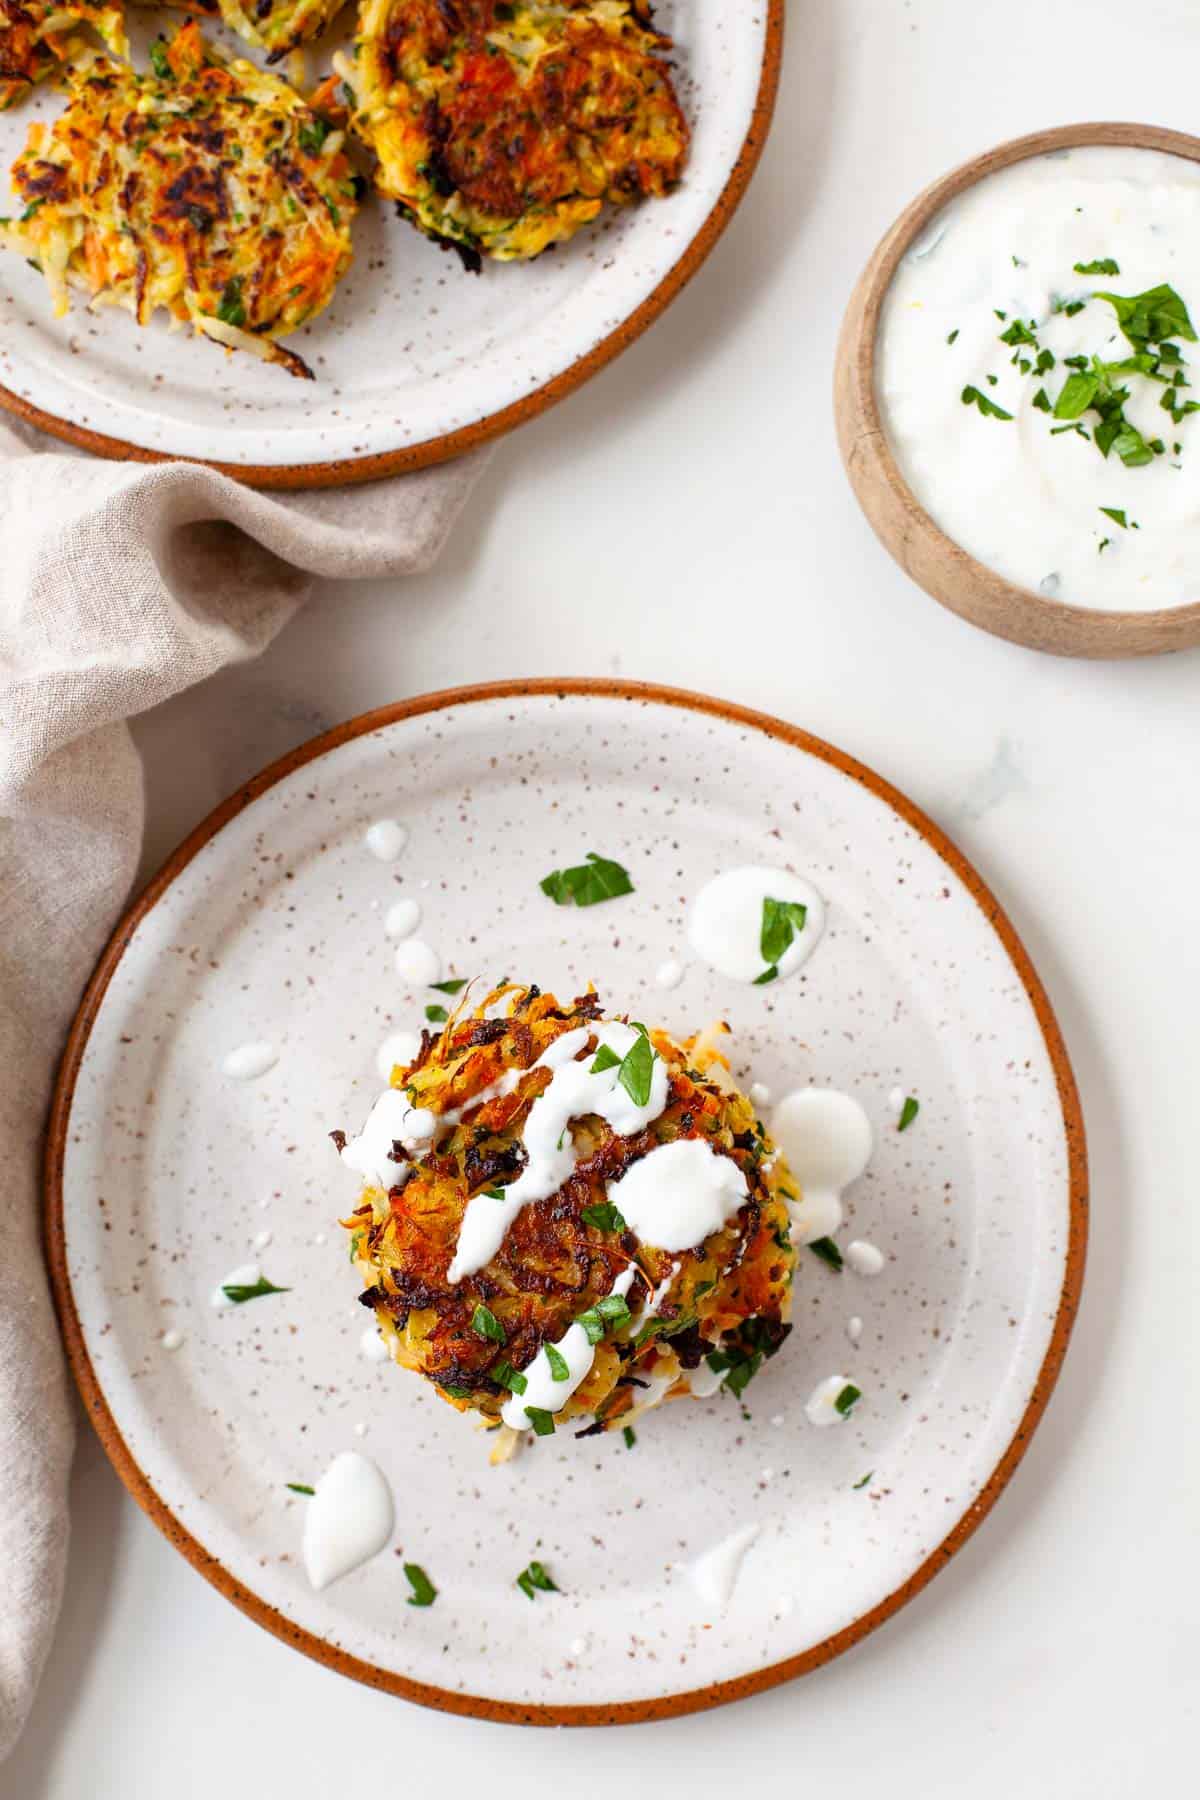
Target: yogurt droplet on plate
[(245, 1275), (262, 1239), (854, 1329), (821, 1405), (825, 1138), (348, 1520), (402, 918), (726, 921), (864, 1258), (172, 1339), (715, 1572), (760, 1093), (385, 839), (669, 974), (397, 1050), (417, 962), (249, 1061), (372, 1345)]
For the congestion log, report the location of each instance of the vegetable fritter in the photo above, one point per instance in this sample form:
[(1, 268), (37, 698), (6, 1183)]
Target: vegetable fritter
[(35, 34), (204, 187), (502, 128), (274, 25), (656, 1322)]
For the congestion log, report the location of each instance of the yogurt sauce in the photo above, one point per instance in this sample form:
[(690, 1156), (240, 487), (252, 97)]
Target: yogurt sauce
[(417, 962), (385, 839), (825, 1139), (245, 1275), (725, 926), (402, 918), (249, 1061), (542, 1388), (679, 1193), (821, 1405), (1021, 500), (715, 1572), (573, 1091), (348, 1520)]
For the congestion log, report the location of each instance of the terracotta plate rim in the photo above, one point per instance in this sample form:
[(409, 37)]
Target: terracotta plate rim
[(353, 470), (482, 1706)]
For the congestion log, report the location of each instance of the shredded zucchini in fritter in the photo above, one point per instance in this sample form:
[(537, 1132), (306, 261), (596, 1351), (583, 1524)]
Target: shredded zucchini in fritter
[(725, 1300), (205, 188), (502, 128), (35, 36)]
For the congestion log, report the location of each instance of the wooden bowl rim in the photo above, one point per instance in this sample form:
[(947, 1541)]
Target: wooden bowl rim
[(1112, 629), (684, 1700), (354, 470)]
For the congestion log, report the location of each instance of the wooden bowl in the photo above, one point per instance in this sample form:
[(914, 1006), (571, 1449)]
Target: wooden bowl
[(934, 561)]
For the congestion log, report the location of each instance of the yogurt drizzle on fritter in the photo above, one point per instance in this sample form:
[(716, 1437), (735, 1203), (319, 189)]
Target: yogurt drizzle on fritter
[(496, 1225)]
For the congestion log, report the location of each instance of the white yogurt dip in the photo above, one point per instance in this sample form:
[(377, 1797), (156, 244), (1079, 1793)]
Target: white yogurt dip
[(1020, 494), (729, 919)]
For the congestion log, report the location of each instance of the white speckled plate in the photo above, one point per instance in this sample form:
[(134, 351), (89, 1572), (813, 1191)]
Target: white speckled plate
[(267, 924), (415, 359)]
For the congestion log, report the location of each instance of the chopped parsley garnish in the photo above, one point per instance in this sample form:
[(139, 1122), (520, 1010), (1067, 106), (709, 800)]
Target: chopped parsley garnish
[(604, 1216), (1152, 318), (864, 1481), (560, 1368), (485, 1324), (312, 135), (423, 1591), (971, 396), (231, 309), (953, 335), (161, 65), (588, 883), (300, 1487), (541, 1420), (1103, 545), (494, 1193), (630, 1436), (614, 1308), (437, 1015), (456, 1392), (1104, 265), (1042, 401), (847, 1399), (450, 987), (827, 1250), (782, 921), (534, 1580), (771, 974), (1117, 515), (1020, 333), (908, 1113), (355, 1241), (239, 1292), (507, 1376), (637, 1069)]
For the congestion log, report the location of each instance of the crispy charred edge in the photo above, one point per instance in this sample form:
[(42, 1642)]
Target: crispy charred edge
[(464, 1361)]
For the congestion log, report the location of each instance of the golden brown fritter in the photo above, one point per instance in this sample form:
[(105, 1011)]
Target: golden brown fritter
[(36, 35), (204, 187), (274, 25), (502, 128), (726, 1298)]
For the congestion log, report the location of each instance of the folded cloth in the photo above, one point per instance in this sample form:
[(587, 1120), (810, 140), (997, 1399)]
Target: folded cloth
[(120, 584)]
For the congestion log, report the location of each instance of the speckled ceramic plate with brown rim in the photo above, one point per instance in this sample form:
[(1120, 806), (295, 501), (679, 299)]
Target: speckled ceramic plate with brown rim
[(162, 1173), (415, 360)]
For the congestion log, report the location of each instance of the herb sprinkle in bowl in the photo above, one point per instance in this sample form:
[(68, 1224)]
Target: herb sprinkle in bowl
[(1017, 385)]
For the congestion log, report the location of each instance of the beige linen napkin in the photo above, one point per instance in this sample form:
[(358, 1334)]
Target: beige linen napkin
[(119, 585)]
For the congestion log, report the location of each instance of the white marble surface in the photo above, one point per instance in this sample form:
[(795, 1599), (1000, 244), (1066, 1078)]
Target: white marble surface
[(1058, 1653)]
